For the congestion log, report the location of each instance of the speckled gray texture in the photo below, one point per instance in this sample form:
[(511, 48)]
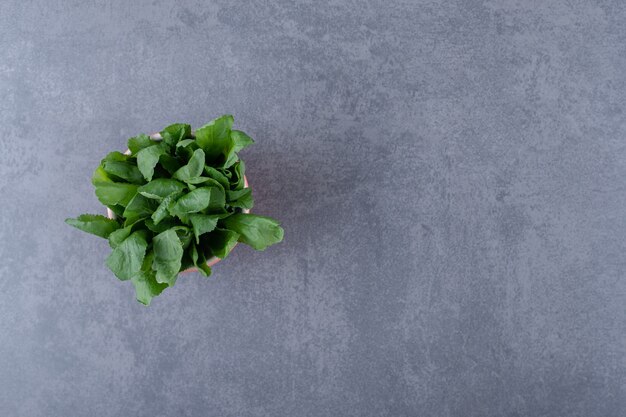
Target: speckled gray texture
[(451, 177)]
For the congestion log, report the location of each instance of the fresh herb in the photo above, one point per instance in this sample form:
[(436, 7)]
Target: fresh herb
[(178, 202)]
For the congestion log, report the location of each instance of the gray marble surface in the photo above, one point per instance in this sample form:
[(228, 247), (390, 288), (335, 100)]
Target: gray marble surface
[(451, 176)]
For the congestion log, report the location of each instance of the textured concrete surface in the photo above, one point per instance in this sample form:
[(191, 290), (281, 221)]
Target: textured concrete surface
[(451, 177)]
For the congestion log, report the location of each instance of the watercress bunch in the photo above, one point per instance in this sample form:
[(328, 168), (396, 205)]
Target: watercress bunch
[(177, 203)]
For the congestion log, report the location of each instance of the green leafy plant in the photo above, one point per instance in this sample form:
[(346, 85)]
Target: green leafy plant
[(177, 203)]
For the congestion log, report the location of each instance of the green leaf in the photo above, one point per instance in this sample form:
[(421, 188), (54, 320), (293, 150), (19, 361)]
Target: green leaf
[(112, 193), (222, 241), (199, 260), (117, 237), (193, 253), (170, 139), (184, 235), (184, 143), (202, 266), (193, 202), (125, 170), (193, 168), (162, 225), (168, 253), (174, 133), (177, 127), (217, 200), (115, 156), (227, 173), (170, 163), (256, 231), (139, 208), (185, 149), (126, 259), (95, 224), (217, 176), (237, 181), (204, 182), (164, 208), (186, 261), (147, 159), (231, 160), (184, 219), (240, 139), (100, 176), (145, 283), (199, 180), (160, 188), (140, 142), (240, 198), (202, 223), (214, 138)]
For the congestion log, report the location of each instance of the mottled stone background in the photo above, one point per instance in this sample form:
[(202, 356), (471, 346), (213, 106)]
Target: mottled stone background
[(451, 177)]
